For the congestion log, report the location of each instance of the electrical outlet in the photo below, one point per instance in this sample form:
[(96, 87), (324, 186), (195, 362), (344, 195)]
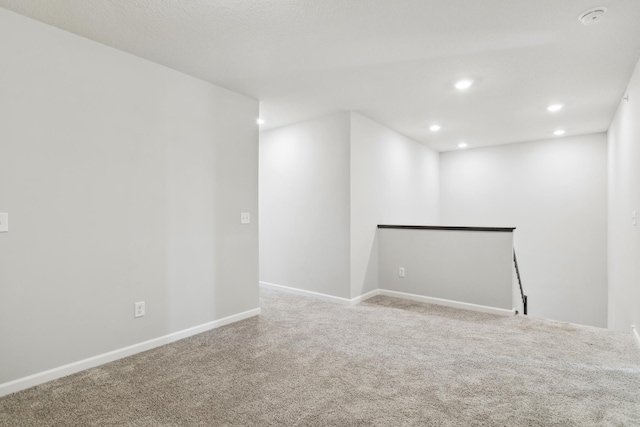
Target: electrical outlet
[(245, 218), (634, 218), (401, 271), (139, 309)]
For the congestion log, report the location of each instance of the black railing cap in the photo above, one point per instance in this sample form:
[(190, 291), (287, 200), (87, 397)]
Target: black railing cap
[(455, 228)]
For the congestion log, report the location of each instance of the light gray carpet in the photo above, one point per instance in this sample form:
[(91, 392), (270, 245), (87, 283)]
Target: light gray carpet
[(385, 362)]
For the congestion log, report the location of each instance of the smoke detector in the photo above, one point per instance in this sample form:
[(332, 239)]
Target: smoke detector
[(592, 16)]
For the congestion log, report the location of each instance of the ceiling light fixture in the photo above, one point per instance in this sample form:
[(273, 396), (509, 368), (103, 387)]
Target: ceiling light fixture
[(464, 84), (559, 132), (554, 107), (592, 16), (435, 128), (462, 145), (260, 121)]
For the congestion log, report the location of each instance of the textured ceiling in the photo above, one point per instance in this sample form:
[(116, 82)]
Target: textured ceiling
[(394, 61)]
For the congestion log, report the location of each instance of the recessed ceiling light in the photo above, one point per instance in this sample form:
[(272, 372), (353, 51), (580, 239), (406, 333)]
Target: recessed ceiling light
[(554, 107), (462, 145), (435, 128), (559, 132), (260, 121), (464, 84)]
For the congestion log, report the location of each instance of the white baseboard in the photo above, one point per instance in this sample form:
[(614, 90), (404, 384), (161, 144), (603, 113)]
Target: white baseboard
[(81, 365), (364, 297), (635, 334), (448, 303), (320, 296), (317, 295), (413, 297)]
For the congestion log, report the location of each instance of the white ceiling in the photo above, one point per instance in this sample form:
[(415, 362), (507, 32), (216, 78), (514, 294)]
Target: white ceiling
[(394, 61)]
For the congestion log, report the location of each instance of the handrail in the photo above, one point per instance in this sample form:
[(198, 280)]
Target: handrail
[(439, 227), (524, 297)]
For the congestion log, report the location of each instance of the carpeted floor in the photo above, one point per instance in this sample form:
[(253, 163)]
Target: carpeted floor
[(385, 362)]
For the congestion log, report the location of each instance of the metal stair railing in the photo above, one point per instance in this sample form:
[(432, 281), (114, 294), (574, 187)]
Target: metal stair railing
[(524, 297)]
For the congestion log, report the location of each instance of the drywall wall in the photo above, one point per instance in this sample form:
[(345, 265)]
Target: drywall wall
[(394, 180), (124, 181), (624, 198), (304, 206), (554, 192), (325, 185), (473, 267)]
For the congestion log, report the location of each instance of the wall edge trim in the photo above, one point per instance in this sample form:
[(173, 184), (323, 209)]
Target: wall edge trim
[(100, 359), (635, 335)]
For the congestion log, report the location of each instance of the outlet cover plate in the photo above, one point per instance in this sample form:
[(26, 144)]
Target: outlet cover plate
[(139, 309)]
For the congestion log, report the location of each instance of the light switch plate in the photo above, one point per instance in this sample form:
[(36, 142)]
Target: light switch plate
[(4, 222)]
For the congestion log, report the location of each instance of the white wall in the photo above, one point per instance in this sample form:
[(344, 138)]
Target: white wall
[(554, 192), (325, 185), (624, 198), (473, 267), (304, 206), (394, 180), (124, 181)]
